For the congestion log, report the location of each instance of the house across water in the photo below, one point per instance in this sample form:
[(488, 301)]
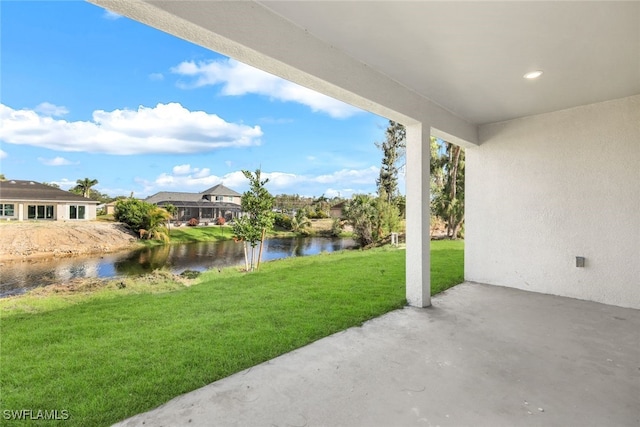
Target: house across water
[(29, 200), (215, 202)]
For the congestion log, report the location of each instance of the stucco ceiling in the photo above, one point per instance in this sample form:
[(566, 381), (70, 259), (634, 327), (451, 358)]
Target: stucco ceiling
[(470, 57), (467, 57)]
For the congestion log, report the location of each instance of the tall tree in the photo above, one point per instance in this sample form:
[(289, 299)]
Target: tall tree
[(257, 218), (393, 149), (84, 186), (448, 200)]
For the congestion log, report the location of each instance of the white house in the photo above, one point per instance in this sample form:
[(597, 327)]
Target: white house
[(553, 162), (28, 200), (208, 205)]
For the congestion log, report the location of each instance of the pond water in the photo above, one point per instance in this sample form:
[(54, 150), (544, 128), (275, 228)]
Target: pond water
[(18, 277)]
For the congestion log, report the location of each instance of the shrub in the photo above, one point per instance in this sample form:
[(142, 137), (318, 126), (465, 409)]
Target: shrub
[(282, 221), (336, 227), (133, 212), (193, 222), (190, 274), (317, 214), (144, 218), (220, 221)]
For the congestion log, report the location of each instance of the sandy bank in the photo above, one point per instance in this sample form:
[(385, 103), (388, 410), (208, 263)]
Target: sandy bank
[(25, 240)]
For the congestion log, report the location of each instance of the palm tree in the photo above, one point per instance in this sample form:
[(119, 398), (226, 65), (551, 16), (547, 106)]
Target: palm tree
[(84, 186), (156, 227), (300, 221), (172, 210)]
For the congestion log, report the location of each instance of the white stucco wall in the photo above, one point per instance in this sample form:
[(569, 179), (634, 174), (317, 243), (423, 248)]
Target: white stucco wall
[(544, 189)]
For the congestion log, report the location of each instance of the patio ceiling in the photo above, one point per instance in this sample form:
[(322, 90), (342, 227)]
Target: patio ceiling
[(467, 57), (470, 57)]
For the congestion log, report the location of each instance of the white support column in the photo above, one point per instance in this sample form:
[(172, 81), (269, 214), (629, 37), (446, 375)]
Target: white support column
[(418, 274)]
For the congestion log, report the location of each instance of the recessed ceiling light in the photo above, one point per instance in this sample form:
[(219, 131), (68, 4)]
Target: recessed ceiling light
[(533, 74)]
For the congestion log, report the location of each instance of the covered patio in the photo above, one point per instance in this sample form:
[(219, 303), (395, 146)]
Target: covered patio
[(552, 200), (480, 356), (551, 157)]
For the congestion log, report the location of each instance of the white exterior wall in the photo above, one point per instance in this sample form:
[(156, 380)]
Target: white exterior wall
[(544, 189), (64, 212), (61, 210)]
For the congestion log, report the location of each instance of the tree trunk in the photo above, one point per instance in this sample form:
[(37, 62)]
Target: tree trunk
[(246, 256), (261, 244)]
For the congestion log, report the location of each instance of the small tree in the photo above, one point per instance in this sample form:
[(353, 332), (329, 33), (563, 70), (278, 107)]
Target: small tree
[(257, 218), (132, 212), (156, 224), (145, 219), (300, 222), (362, 214)]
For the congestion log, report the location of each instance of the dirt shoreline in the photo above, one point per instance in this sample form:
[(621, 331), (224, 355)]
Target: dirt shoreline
[(21, 241)]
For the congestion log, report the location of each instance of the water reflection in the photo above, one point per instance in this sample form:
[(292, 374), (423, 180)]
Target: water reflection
[(17, 277)]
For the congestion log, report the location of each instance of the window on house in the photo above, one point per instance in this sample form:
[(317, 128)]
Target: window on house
[(7, 209), (230, 198), (40, 212), (77, 212), (219, 198)]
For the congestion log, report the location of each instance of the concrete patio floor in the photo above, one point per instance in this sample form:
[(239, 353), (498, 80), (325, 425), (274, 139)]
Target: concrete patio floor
[(480, 356)]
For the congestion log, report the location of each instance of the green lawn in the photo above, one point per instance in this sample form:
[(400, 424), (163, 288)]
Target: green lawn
[(186, 234), (105, 359)]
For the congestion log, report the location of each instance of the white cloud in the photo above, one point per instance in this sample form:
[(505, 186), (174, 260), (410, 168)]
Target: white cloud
[(343, 182), (51, 110), (353, 176), (344, 192), (64, 183), (56, 161), (194, 172), (165, 128), (181, 169), (3, 154), (111, 16), (239, 79), (156, 77), (203, 173)]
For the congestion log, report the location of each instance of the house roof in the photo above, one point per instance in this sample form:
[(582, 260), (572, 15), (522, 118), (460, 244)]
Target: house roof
[(202, 204), (221, 190), (22, 190), (184, 198), (173, 196)]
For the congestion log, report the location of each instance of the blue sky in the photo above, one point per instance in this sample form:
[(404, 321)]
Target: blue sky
[(86, 93)]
